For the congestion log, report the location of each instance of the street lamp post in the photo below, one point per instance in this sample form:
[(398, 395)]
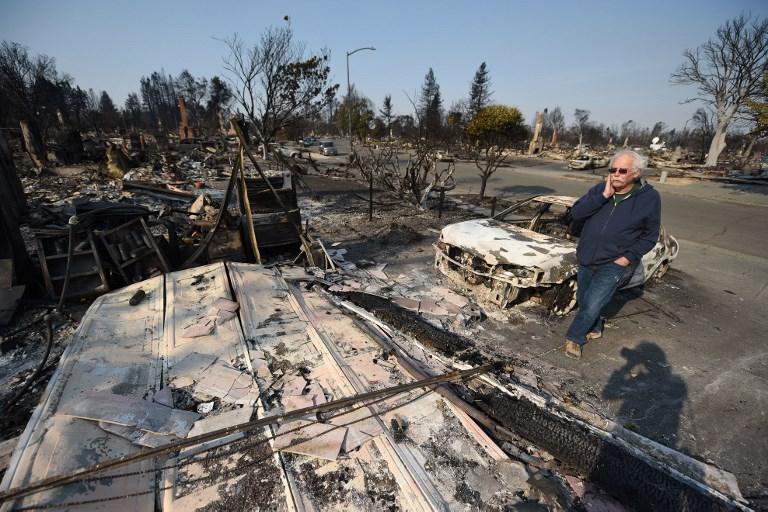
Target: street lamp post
[(349, 90)]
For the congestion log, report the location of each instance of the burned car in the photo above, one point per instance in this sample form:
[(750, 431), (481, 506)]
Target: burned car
[(529, 251), (582, 162)]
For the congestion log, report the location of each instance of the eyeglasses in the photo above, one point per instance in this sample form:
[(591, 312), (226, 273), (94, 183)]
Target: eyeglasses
[(614, 170)]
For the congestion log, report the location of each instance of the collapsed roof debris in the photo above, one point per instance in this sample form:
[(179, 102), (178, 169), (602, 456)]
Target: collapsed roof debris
[(270, 378)]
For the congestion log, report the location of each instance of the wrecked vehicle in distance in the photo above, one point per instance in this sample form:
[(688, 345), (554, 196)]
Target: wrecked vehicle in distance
[(529, 250), (328, 148), (587, 162)]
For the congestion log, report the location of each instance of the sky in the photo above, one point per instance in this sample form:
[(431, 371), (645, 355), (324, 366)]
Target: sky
[(613, 58)]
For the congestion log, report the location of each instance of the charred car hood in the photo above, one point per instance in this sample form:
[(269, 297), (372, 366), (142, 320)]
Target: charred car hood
[(500, 243)]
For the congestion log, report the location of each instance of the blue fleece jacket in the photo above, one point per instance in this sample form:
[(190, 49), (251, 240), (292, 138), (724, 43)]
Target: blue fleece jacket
[(628, 229)]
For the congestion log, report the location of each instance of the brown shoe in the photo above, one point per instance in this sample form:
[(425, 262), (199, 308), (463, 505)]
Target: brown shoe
[(594, 335), (572, 349)]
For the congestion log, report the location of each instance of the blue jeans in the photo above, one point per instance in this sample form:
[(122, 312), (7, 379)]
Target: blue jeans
[(596, 286)]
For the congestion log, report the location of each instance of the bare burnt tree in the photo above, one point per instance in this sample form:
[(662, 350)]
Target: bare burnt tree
[(703, 123), (726, 70), (555, 121), (413, 179), (273, 81), (27, 87), (159, 97), (581, 118)]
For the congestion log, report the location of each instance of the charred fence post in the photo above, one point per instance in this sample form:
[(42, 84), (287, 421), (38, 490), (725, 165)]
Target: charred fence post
[(370, 197)]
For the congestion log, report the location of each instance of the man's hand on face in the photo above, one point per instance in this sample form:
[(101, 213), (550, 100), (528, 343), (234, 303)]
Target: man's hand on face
[(622, 261), (608, 190)]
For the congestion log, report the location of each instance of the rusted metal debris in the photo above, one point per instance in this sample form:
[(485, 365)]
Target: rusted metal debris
[(134, 251), (83, 269)]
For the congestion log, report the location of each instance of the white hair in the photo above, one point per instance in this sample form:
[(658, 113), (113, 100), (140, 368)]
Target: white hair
[(639, 162)]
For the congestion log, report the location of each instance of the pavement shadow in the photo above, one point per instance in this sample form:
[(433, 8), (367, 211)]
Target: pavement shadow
[(652, 399), (524, 190), (620, 299), (754, 189), (652, 396)]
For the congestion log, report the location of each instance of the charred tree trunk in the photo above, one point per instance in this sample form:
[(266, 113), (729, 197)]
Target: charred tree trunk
[(747, 153), (483, 183), (72, 147), (12, 206), (717, 145), (33, 143)]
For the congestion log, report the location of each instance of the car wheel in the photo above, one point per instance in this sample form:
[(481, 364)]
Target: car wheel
[(561, 299), (662, 270)]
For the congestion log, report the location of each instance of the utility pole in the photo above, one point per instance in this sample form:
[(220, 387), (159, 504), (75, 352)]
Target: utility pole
[(349, 91)]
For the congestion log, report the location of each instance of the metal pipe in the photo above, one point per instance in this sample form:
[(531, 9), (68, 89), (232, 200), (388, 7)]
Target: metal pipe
[(73, 221)]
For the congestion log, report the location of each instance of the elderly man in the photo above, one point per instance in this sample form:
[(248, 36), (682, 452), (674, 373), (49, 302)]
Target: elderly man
[(621, 223)]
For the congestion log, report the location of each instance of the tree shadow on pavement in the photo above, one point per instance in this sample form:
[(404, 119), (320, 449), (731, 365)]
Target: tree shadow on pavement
[(754, 189), (652, 396), (524, 190)]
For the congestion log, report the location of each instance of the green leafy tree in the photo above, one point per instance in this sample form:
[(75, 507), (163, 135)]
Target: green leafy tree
[(220, 96), (194, 91), (386, 112), (110, 117), (479, 91), (757, 114), (431, 107), (361, 109), (492, 132), (132, 111)]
